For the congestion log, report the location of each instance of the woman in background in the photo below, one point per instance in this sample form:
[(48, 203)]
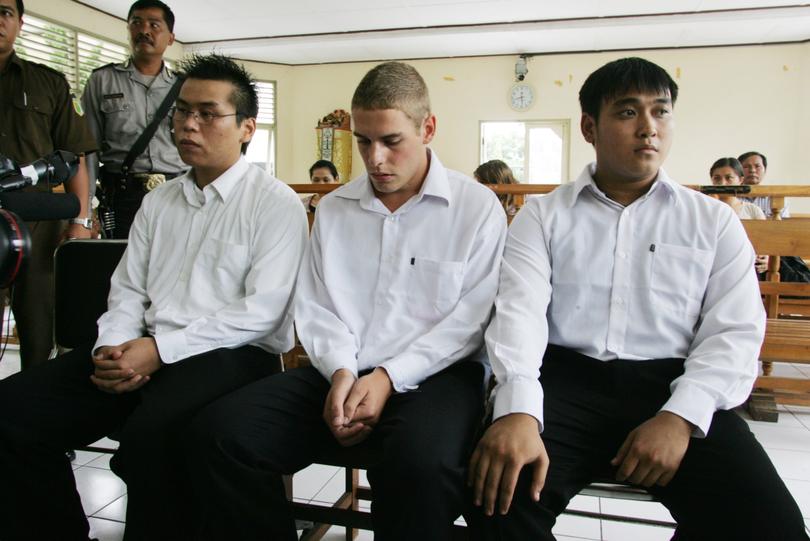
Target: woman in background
[(729, 172), (497, 172)]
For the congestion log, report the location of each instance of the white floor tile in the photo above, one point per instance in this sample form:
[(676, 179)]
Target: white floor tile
[(774, 436), (98, 488), (801, 493), (791, 464), (336, 533), (333, 489), (787, 370), (801, 413), (117, 510), (311, 480), (584, 503), (106, 530), (10, 363), (621, 531), (630, 508), (102, 461), (588, 528), (786, 418), (83, 458)]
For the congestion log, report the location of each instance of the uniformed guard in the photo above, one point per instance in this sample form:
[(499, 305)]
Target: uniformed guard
[(38, 115), (127, 107)]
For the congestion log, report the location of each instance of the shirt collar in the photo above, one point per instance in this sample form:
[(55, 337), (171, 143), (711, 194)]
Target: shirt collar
[(222, 186), (585, 179), (129, 65), (435, 185)]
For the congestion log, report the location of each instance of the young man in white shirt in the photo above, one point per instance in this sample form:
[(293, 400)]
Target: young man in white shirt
[(639, 297), (199, 306), (393, 297)]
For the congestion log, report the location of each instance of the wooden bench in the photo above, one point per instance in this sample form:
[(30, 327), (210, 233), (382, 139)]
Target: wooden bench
[(786, 340)]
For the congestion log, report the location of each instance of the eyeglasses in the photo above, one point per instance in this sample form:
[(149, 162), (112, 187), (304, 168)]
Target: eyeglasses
[(203, 118)]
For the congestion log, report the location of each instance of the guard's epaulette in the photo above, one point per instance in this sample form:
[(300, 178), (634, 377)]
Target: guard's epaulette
[(48, 68), (110, 65)]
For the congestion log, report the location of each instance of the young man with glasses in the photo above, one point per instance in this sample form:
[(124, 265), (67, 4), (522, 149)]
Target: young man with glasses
[(122, 100), (199, 306)]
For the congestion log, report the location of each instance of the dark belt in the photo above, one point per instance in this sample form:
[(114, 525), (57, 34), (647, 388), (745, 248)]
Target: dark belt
[(138, 182)]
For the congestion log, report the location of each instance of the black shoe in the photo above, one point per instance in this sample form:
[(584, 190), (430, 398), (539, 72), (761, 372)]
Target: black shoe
[(71, 455)]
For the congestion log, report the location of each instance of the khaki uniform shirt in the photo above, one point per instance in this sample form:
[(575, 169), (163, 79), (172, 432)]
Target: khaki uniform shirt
[(38, 114), (120, 103)]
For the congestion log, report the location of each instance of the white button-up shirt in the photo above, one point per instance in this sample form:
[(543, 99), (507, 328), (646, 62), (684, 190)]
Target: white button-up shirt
[(410, 291), (212, 268), (669, 276)]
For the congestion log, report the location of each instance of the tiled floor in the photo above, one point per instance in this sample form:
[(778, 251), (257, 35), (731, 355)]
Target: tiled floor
[(787, 442)]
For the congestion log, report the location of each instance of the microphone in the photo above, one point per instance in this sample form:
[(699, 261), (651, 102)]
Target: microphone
[(33, 207), (55, 168)]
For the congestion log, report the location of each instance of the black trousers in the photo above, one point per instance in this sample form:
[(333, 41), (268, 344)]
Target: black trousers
[(725, 487), (241, 445), (54, 407)]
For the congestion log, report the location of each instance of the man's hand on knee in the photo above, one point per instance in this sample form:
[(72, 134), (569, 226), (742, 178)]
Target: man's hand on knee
[(509, 444), (125, 368), (368, 397), (345, 431), (652, 452)]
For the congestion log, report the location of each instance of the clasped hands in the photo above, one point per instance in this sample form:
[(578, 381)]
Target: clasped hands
[(650, 455), (353, 406), (126, 367)]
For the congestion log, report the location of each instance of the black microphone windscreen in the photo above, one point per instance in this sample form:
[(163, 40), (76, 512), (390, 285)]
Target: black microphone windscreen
[(32, 206)]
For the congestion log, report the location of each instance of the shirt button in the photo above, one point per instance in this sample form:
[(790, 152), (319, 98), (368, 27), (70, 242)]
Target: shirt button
[(623, 255), (619, 300)]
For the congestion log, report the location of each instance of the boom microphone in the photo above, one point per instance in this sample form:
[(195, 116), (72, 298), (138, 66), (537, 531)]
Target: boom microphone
[(32, 206), (54, 168)]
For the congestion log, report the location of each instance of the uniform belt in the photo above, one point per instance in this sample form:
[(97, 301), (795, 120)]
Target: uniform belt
[(137, 181)]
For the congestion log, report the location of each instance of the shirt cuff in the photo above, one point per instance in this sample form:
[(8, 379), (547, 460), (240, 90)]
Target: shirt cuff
[(519, 395), (401, 379), (112, 338), (693, 404), (333, 361), (172, 346)]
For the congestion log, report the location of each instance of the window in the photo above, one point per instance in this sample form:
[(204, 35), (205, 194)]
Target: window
[(535, 150), (262, 149), (73, 53)]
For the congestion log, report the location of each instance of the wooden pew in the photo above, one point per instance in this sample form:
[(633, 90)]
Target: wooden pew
[(786, 340)]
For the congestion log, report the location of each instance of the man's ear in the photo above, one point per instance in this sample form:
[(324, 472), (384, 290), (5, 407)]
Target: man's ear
[(248, 129), (171, 39), (428, 129), (587, 124)]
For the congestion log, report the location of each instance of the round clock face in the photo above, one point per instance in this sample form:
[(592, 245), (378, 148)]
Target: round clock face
[(521, 96)]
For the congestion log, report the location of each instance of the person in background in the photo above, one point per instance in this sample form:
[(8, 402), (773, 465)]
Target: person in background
[(122, 102), (38, 114), (321, 172), (497, 172), (729, 172), (755, 165)]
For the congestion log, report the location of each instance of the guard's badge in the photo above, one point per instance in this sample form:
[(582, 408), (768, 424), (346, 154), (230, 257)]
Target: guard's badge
[(77, 105)]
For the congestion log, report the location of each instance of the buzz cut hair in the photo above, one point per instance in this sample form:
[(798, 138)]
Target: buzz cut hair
[(394, 85)]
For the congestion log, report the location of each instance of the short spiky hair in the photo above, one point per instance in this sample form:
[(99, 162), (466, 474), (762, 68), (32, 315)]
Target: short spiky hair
[(621, 76), (745, 155), (168, 15), (215, 67), (20, 8), (394, 85)]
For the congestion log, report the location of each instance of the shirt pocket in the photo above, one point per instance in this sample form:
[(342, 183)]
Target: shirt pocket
[(679, 277), (119, 117), (222, 267), (434, 287), (34, 122)]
